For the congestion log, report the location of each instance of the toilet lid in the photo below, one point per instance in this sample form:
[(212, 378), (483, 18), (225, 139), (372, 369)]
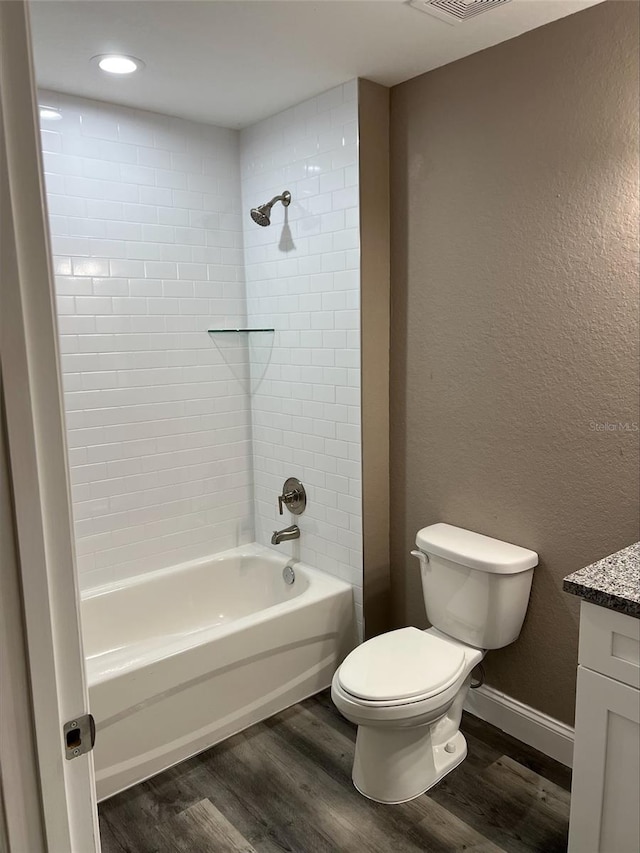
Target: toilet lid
[(400, 665)]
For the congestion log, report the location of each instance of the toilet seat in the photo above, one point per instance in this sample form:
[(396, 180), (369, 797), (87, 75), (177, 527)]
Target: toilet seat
[(401, 667)]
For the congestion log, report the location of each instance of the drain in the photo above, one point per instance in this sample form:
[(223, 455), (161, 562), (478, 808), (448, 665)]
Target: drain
[(288, 574)]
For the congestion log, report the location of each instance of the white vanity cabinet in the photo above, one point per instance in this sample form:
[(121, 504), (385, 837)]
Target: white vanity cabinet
[(605, 792)]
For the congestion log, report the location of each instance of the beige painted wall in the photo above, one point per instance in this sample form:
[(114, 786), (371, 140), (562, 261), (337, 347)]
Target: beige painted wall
[(514, 285), (373, 163)]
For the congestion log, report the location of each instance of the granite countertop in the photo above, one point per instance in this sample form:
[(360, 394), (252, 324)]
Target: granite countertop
[(613, 582)]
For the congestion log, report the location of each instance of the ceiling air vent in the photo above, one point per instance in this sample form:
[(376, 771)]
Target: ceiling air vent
[(456, 11)]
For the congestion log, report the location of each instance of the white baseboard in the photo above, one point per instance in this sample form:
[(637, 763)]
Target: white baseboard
[(532, 727)]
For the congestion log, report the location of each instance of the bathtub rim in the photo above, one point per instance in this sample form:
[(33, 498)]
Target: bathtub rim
[(253, 549), (321, 586)]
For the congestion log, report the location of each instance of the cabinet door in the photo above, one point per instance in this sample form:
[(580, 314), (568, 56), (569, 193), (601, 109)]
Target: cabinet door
[(606, 767), (610, 643)]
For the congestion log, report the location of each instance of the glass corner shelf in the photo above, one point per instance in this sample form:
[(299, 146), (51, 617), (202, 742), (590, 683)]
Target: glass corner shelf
[(247, 356), (236, 331)]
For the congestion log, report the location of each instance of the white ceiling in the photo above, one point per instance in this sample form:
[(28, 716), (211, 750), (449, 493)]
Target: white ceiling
[(233, 63)]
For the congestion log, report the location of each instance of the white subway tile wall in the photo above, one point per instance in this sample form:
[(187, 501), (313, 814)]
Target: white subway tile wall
[(147, 242), (303, 278), (172, 457)]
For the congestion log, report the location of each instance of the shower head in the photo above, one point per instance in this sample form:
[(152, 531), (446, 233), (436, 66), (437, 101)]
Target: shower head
[(262, 215)]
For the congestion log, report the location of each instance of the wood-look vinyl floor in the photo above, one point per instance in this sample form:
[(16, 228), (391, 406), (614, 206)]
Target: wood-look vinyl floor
[(285, 785)]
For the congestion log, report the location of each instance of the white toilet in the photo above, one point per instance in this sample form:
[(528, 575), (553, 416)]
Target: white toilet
[(405, 689)]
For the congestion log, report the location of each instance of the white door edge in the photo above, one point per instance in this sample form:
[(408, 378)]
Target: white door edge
[(37, 454), (21, 826)]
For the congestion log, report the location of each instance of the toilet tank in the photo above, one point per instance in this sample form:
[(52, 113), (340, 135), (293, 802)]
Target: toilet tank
[(476, 589)]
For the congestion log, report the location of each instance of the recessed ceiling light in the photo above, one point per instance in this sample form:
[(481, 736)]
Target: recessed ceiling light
[(118, 64), (49, 113)]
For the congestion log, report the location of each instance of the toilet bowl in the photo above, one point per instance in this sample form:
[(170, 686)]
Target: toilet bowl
[(405, 689)]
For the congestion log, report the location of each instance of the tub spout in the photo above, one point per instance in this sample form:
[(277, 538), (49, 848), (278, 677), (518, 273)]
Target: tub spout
[(285, 535)]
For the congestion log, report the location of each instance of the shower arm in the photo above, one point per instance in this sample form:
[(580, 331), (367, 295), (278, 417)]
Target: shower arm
[(285, 198)]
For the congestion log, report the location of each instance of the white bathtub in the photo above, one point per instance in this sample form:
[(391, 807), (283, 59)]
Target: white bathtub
[(182, 658)]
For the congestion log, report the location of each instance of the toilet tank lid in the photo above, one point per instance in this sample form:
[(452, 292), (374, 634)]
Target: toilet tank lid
[(475, 550)]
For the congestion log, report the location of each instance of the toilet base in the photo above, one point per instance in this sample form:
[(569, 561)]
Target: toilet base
[(397, 766)]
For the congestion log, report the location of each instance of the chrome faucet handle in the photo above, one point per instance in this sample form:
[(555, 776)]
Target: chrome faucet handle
[(285, 499), (293, 497)]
